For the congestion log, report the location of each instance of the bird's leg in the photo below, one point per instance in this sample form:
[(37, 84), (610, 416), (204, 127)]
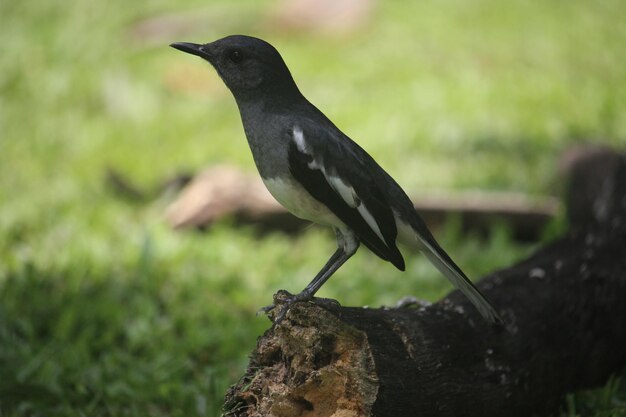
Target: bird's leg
[(347, 244), (307, 293)]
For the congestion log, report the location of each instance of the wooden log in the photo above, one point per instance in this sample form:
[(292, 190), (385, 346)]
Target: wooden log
[(566, 330)]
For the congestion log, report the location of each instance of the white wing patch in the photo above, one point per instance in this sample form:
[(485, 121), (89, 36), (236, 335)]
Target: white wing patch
[(298, 137), (345, 190), (369, 219)]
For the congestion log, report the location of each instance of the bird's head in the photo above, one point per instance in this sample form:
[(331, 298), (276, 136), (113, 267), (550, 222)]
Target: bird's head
[(247, 65)]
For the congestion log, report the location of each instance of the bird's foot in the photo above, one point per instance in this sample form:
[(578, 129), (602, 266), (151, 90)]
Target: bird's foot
[(282, 297), (283, 300)]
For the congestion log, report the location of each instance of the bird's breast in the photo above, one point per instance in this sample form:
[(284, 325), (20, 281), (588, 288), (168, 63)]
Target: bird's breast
[(291, 195)]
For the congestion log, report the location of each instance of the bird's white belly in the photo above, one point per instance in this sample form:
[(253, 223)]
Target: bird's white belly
[(300, 203)]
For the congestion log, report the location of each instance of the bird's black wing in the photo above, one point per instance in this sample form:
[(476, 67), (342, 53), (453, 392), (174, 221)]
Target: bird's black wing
[(339, 174)]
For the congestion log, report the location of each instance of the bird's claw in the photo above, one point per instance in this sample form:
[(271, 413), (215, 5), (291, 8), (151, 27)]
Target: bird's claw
[(281, 298), (283, 301), (266, 309)]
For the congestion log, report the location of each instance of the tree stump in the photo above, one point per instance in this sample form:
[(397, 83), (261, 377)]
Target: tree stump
[(564, 307)]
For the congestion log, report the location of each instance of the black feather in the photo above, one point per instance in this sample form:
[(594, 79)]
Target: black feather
[(354, 173)]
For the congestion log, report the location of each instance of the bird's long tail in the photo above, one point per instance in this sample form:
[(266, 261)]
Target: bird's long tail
[(450, 270)]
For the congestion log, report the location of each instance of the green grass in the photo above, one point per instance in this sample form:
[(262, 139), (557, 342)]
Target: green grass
[(106, 311)]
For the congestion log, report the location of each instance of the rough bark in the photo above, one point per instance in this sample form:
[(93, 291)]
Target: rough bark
[(566, 330)]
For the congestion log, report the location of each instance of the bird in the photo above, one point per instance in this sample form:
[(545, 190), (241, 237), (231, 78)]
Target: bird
[(317, 172)]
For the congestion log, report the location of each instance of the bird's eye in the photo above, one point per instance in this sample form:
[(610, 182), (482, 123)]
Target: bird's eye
[(235, 56)]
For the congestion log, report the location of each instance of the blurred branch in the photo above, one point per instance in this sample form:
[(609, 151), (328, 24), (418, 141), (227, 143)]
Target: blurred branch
[(124, 188), (224, 191)]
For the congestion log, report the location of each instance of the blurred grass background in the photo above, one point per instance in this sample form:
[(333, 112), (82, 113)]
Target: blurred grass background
[(105, 311)]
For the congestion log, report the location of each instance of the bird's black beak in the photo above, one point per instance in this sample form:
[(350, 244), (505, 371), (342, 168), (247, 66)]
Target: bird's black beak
[(192, 48)]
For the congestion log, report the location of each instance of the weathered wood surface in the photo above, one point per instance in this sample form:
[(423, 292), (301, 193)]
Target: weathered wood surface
[(566, 330)]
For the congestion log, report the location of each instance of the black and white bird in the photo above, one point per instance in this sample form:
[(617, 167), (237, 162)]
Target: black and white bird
[(317, 172)]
